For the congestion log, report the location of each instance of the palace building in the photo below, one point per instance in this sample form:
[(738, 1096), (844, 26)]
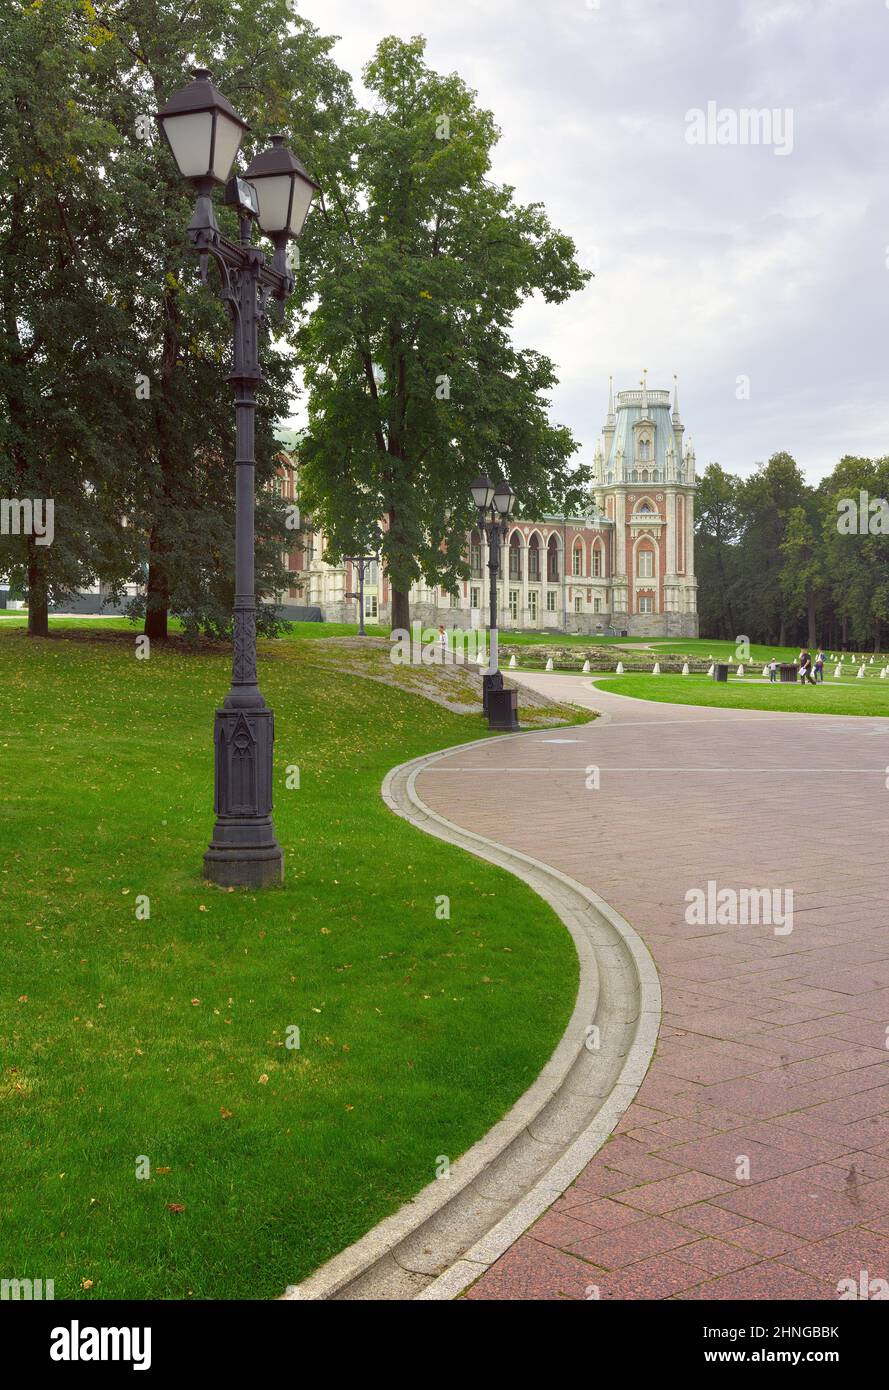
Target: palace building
[(625, 565)]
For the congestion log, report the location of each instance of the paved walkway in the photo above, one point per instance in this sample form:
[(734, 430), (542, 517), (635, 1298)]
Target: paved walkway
[(754, 1162)]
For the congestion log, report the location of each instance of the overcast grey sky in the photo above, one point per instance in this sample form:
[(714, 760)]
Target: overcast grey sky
[(715, 261)]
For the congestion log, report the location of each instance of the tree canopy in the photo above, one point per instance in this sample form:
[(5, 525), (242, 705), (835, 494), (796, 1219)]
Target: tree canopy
[(417, 265)]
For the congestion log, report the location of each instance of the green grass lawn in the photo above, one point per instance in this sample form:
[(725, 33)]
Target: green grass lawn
[(706, 647), (165, 1038), (848, 696), (18, 618)]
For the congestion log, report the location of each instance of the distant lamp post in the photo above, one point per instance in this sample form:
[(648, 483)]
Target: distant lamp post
[(495, 504), (204, 133), (362, 564)]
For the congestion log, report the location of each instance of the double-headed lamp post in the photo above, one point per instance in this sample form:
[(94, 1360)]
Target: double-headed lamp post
[(362, 564), (204, 133), (495, 503)]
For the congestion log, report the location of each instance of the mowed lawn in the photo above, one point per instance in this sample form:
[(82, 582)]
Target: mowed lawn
[(868, 696), (126, 1040)]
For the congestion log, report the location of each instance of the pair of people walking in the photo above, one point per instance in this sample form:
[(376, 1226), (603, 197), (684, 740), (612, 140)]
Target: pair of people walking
[(811, 671)]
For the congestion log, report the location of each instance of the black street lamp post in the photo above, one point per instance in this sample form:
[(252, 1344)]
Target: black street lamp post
[(204, 133), (495, 505), (362, 563)]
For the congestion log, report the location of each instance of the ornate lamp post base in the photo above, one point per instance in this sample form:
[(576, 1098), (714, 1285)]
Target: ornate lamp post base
[(242, 865), (244, 851)]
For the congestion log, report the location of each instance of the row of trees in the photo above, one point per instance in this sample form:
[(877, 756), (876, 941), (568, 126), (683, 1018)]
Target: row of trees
[(113, 399), (784, 562)]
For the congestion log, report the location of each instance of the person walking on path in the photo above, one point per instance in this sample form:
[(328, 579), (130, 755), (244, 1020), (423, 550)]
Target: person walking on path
[(805, 667), (819, 666), (442, 644), (773, 669)]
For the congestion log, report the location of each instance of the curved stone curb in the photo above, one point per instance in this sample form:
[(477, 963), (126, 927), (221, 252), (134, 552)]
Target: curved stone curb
[(434, 1246)]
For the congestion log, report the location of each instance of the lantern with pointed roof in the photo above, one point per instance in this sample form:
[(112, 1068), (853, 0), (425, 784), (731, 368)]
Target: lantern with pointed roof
[(283, 188), (202, 129)]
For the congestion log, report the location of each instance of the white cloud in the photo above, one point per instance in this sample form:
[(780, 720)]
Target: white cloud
[(713, 261)]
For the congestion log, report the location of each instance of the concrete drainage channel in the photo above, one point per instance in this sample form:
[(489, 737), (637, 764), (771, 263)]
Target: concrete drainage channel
[(439, 1243)]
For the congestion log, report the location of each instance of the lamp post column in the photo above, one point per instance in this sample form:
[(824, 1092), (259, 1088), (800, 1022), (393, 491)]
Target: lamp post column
[(361, 632), (492, 679), (495, 530), (244, 849), (204, 132)]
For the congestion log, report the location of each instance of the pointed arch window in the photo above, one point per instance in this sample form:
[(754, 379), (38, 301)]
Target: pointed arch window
[(552, 559), (577, 559), (534, 558), (475, 555), (515, 556)]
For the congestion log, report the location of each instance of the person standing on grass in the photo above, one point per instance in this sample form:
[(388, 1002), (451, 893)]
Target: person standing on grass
[(773, 669), (442, 644), (819, 666), (805, 667)]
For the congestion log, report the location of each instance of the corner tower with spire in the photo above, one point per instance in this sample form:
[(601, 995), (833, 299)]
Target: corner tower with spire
[(644, 483)]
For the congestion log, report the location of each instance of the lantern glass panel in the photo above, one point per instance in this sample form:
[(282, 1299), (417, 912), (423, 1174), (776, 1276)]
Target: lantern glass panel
[(190, 136)]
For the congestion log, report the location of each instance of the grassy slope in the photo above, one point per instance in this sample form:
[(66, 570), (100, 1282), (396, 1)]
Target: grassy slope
[(123, 1038), (849, 696)]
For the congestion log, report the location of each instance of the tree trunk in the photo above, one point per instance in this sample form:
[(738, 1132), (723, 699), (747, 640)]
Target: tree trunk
[(157, 608), (876, 637), (157, 605), (400, 598), (401, 610), (845, 630), (157, 592), (38, 599), (810, 611), (782, 633)]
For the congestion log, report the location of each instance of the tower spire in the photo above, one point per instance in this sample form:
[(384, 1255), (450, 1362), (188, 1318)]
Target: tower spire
[(675, 399), (644, 385), (611, 400)]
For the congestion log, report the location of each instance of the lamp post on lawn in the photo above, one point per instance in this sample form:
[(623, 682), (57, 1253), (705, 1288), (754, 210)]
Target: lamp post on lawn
[(204, 132), (495, 505), (361, 563)]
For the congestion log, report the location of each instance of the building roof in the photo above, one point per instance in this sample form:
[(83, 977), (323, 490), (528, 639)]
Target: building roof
[(631, 409)]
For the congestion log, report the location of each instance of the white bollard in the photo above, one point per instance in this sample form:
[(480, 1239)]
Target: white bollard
[(685, 669), (884, 672), (657, 669), (586, 667), (740, 670), (861, 671), (512, 663), (549, 663), (839, 671), (871, 662), (712, 669), (765, 672), (853, 661), (620, 669)]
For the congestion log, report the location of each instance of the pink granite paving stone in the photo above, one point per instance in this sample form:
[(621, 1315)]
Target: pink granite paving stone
[(772, 1043)]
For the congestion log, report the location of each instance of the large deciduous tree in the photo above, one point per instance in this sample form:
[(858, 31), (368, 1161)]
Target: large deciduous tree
[(717, 527), (65, 348), (113, 398), (276, 70), (418, 262)]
